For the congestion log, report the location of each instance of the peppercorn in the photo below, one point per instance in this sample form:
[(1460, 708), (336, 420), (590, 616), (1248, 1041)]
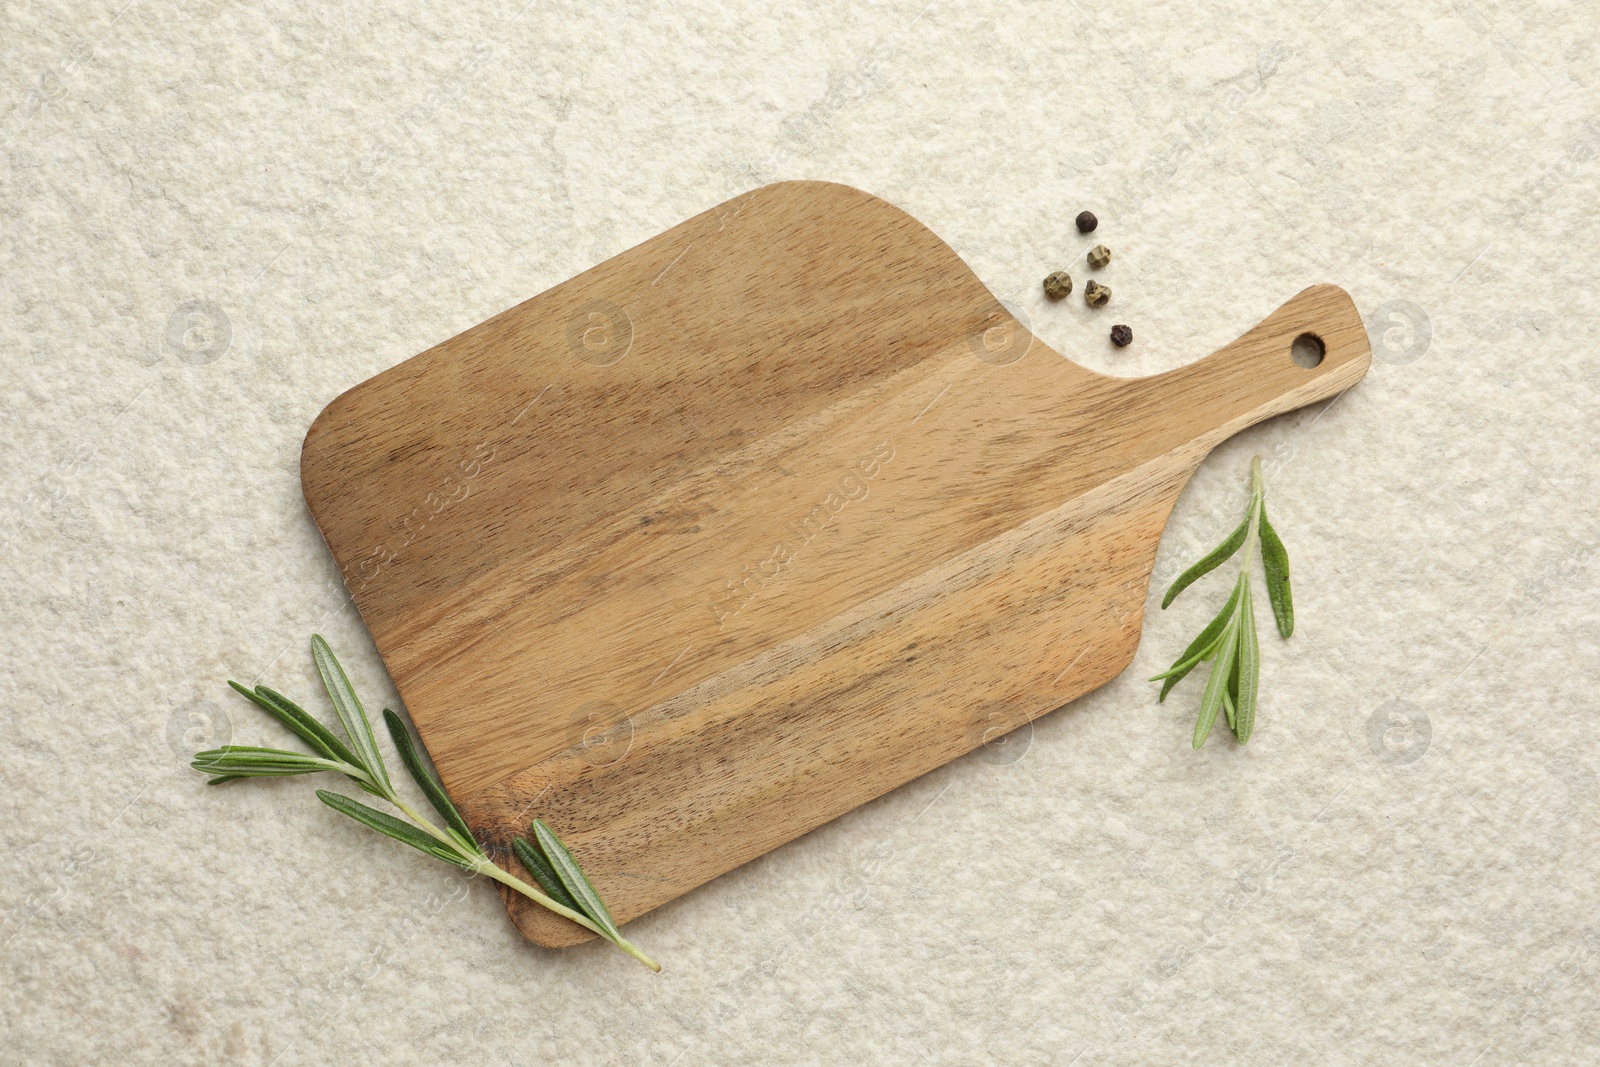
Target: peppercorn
[(1087, 222), (1121, 336), (1099, 256), (1057, 285), (1096, 295)]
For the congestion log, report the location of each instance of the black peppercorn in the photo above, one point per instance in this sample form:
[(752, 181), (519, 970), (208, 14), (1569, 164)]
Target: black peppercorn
[(1087, 222), (1096, 295), (1057, 285), (1121, 336), (1099, 256)]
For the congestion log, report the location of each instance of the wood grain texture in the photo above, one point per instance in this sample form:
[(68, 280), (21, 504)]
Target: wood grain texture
[(755, 522)]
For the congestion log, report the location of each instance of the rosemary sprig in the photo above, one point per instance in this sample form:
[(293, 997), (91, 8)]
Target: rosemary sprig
[(566, 890), (1229, 640)]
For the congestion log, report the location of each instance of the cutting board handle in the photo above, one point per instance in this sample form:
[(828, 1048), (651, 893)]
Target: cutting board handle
[(1258, 376)]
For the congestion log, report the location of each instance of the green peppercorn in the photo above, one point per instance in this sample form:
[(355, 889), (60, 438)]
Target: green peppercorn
[(1057, 285), (1121, 336), (1087, 222), (1099, 256), (1096, 295)]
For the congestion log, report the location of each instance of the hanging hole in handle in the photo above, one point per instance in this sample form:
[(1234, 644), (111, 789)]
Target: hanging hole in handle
[(1307, 350)]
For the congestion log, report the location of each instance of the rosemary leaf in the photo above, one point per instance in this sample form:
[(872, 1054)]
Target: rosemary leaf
[(544, 874), (1227, 701), (1275, 563), (312, 732), (1231, 698), (230, 771), (431, 788), (351, 714), (229, 750), (388, 824), (1249, 681), (1210, 563), (1198, 649), (302, 722), (1217, 684), (572, 876), (288, 718), (244, 761)]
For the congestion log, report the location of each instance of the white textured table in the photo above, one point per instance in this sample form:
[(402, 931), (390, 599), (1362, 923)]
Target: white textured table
[(214, 218)]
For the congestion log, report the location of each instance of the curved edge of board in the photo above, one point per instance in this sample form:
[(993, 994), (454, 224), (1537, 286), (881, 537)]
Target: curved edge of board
[(813, 192)]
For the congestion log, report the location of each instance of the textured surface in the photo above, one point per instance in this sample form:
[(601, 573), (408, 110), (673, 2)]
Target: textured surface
[(214, 219)]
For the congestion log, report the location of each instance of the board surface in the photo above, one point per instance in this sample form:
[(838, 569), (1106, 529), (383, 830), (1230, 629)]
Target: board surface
[(755, 522)]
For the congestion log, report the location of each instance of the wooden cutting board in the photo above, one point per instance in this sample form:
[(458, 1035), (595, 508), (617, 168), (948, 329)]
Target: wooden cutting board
[(757, 521)]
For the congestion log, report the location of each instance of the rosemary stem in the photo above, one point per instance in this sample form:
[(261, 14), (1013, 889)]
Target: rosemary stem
[(1258, 500), (362, 764), (483, 865), (505, 878), (428, 828)]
